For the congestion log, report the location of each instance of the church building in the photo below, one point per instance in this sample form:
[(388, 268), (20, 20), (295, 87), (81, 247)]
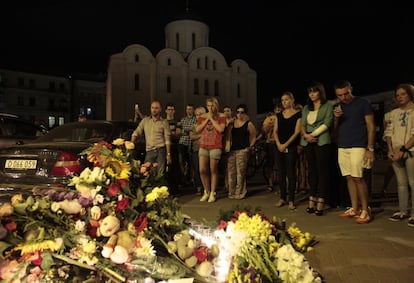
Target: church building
[(186, 71)]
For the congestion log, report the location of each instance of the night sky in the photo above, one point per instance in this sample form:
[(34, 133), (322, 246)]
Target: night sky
[(289, 44)]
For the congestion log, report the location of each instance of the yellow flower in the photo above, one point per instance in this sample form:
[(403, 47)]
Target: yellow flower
[(157, 193), (17, 198), (152, 196), (118, 142), (129, 145), (118, 169), (6, 209), (118, 153), (89, 247), (273, 248), (255, 226), (45, 245)]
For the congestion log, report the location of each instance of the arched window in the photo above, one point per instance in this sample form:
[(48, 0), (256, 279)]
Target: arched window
[(206, 89), (136, 82), (238, 90), (196, 87), (216, 88), (136, 58), (168, 84), (193, 41), (177, 41)]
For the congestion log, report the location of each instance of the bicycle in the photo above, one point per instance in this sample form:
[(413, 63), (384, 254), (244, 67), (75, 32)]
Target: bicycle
[(257, 161)]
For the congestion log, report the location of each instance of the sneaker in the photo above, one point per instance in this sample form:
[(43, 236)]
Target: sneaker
[(205, 196), (280, 203), (349, 213), (243, 194), (398, 216), (212, 197), (411, 221), (364, 217)]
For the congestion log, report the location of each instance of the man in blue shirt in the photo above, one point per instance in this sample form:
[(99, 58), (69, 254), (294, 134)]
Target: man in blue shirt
[(355, 126)]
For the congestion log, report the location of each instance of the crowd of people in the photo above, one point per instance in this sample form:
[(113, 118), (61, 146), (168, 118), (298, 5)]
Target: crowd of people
[(318, 146)]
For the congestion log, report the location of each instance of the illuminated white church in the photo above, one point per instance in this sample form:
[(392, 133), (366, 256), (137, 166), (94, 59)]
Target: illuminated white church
[(186, 71)]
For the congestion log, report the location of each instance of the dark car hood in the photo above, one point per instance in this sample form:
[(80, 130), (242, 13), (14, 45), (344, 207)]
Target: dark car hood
[(71, 146)]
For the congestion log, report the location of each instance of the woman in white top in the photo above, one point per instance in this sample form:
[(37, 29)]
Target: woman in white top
[(400, 142)]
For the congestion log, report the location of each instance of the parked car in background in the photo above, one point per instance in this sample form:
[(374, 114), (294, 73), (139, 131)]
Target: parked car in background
[(51, 160), (15, 130)]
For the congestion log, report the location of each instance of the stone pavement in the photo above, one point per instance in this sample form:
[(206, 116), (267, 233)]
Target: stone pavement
[(381, 251)]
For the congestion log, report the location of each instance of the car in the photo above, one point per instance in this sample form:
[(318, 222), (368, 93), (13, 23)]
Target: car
[(15, 130), (52, 160)]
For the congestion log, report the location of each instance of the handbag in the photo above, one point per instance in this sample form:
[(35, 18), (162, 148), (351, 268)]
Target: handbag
[(404, 158)]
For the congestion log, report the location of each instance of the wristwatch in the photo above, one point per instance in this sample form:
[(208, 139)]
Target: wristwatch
[(370, 149)]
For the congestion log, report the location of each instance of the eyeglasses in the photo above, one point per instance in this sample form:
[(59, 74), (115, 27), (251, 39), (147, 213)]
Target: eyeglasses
[(240, 112)]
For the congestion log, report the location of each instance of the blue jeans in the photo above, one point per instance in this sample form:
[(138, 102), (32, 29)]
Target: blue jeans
[(159, 156), (405, 178)]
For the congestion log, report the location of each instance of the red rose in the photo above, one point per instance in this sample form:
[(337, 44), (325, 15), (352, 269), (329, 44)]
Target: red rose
[(105, 144), (222, 225), (38, 260), (141, 222), (201, 253), (122, 204), (92, 230), (114, 189), (10, 226), (123, 183)]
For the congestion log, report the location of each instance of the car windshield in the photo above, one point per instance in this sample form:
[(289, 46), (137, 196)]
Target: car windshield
[(78, 132)]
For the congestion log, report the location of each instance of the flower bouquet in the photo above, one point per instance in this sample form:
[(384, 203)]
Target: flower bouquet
[(111, 216), (259, 249)]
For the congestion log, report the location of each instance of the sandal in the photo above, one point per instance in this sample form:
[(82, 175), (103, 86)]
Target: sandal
[(280, 203), (319, 207), (292, 206), (311, 207)]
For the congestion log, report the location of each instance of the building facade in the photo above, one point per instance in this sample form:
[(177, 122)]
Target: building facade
[(51, 100), (186, 71)]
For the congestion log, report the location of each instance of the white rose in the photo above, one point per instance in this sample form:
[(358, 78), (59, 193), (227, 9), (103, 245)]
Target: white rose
[(80, 225)]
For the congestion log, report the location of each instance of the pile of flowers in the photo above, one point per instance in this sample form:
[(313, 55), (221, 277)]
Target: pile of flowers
[(258, 249), (116, 220), (111, 214)]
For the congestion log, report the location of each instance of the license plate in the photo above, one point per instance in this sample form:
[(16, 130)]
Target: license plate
[(20, 164)]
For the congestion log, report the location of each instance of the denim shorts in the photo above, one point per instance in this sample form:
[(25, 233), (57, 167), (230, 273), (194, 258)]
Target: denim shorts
[(214, 153)]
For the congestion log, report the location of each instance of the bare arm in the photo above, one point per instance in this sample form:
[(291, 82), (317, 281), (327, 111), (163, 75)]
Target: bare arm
[(252, 131), (202, 125), (370, 122), (216, 123), (275, 132)]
